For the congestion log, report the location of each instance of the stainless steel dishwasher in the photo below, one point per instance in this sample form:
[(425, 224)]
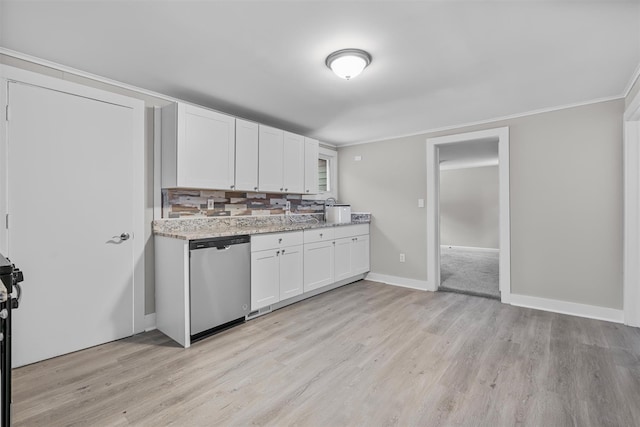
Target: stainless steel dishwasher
[(220, 284)]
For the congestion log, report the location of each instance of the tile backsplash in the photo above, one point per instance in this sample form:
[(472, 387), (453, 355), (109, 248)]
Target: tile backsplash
[(181, 203)]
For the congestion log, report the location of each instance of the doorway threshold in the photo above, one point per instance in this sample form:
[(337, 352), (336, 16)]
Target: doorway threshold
[(468, 292)]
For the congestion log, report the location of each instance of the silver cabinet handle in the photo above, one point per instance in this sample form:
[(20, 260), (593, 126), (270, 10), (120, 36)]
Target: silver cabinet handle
[(283, 252), (124, 236), (255, 188), (286, 189), (320, 234), (277, 253), (281, 188), (279, 240), (233, 186)]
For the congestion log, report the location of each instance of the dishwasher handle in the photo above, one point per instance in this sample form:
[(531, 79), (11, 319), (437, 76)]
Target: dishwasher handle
[(221, 243), (223, 248)]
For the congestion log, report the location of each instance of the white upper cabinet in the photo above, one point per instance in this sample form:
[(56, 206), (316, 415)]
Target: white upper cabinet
[(310, 166), (270, 172), (198, 148), (293, 162), (246, 155), (205, 149), (281, 161)]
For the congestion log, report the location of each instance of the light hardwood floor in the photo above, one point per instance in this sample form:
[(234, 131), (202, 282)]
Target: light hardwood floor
[(365, 354)]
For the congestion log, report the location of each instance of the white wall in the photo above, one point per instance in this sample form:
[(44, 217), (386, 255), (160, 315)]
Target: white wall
[(469, 202), (566, 202)]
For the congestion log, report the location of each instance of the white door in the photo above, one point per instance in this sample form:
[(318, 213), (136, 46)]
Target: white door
[(265, 278), (70, 197), (290, 272)]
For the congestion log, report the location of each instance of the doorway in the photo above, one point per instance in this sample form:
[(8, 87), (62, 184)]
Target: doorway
[(469, 219), (631, 239), (442, 152)]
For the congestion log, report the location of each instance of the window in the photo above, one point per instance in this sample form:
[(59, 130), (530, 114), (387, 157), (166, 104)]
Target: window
[(323, 175), (327, 173)]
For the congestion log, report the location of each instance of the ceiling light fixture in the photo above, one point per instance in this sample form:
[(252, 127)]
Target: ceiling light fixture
[(348, 63)]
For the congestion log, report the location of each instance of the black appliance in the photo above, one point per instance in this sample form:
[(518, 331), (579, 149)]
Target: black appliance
[(10, 277)]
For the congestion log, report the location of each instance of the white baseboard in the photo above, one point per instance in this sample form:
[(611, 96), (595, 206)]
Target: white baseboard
[(149, 322), (570, 308), (404, 282), (471, 248)]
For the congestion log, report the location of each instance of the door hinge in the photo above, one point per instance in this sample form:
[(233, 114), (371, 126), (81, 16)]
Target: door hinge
[(6, 113), (6, 221)]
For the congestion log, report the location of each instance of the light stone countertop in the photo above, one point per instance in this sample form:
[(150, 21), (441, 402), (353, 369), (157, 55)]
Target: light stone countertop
[(206, 228)]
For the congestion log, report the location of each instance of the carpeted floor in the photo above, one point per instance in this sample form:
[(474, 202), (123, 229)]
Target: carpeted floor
[(469, 271)]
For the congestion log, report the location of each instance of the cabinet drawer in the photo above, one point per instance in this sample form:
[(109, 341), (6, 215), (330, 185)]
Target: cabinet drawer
[(351, 230), (262, 242), (318, 235)]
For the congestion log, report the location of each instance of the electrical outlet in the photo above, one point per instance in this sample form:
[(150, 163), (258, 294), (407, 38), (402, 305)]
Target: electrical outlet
[(357, 158), (421, 203), (210, 204), (401, 257)]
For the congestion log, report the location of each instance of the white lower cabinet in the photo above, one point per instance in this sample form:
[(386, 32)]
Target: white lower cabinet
[(290, 272), (265, 278), (276, 268), (352, 256), (318, 265), (360, 255), (342, 258), (286, 265)]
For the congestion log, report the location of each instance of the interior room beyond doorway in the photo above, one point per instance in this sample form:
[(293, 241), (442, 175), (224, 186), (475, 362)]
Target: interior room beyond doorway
[(469, 219)]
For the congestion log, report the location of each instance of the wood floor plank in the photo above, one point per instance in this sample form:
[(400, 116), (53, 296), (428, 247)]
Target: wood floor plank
[(365, 354)]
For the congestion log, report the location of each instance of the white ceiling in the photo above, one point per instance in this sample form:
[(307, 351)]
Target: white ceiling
[(435, 64)]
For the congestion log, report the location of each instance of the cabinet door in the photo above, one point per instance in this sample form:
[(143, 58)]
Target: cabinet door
[(318, 265), (293, 162), (270, 159), (246, 156), (343, 258), (265, 278), (290, 272), (360, 255), (310, 166), (206, 148)]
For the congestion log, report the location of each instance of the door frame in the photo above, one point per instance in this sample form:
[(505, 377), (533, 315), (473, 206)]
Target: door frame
[(12, 74), (433, 209), (631, 225)]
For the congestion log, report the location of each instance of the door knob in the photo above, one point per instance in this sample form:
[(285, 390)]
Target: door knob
[(124, 236)]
